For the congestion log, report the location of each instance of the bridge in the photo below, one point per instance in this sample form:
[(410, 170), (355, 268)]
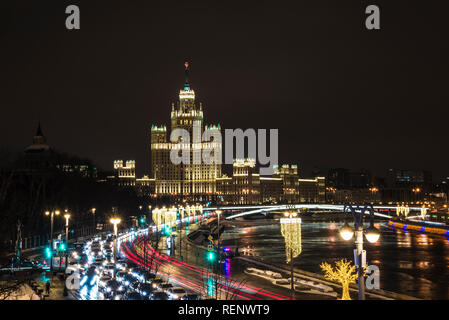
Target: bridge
[(263, 209)]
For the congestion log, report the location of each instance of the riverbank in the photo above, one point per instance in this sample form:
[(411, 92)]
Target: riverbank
[(375, 294)]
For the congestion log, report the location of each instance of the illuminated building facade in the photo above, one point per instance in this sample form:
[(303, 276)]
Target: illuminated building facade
[(243, 187), (312, 190), (126, 174), (247, 187), (198, 181), (193, 181), (289, 176)]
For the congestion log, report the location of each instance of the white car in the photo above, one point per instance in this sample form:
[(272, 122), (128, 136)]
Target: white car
[(176, 293)]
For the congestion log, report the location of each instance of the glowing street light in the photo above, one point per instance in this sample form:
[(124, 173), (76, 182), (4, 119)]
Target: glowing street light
[(52, 214), (115, 222), (346, 232), (371, 234), (67, 217), (93, 210)]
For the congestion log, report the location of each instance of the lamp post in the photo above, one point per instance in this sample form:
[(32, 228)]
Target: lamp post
[(51, 214), (93, 214), (218, 212), (115, 222), (67, 217), (371, 234), (291, 230)]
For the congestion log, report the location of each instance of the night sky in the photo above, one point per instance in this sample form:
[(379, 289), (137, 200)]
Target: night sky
[(340, 95)]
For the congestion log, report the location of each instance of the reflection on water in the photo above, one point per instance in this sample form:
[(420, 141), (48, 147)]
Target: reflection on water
[(410, 263)]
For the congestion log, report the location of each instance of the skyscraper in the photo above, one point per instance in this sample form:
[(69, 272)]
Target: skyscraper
[(193, 181)]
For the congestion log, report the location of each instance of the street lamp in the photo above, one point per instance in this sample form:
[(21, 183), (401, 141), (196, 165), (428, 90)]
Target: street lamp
[(93, 213), (346, 232), (218, 212), (115, 222), (67, 217), (291, 230), (51, 214), (371, 234)]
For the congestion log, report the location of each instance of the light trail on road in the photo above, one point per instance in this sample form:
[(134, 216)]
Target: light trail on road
[(193, 277)]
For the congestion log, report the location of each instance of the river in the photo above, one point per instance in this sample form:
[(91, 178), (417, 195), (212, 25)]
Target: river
[(410, 263)]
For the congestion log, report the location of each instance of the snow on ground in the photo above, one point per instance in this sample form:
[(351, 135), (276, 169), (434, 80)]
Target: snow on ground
[(301, 285)]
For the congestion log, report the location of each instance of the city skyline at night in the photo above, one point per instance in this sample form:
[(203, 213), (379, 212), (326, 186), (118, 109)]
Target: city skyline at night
[(224, 152)]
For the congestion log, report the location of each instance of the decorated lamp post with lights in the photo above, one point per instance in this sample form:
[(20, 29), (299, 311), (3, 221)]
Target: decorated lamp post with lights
[(291, 231), (51, 214), (115, 222), (371, 234)]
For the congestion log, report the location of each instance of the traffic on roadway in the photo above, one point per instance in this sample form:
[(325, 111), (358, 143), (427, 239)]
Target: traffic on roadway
[(139, 272)]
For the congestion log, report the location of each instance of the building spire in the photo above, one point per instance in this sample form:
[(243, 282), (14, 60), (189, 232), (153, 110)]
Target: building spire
[(39, 130), (186, 84)]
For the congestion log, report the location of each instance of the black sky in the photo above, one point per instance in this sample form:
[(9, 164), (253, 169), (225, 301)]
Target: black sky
[(341, 96)]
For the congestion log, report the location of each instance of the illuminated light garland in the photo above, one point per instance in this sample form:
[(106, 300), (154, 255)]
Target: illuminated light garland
[(291, 231), (403, 211)]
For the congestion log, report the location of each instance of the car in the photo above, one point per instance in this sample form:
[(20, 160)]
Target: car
[(109, 266), (127, 279), (98, 265), (134, 285), (113, 288), (145, 289), (96, 253), (148, 276), (121, 275), (121, 264), (165, 286), (176, 293), (103, 280), (190, 296), (159, 295), (156, 282), (133, 296), (78, 245)]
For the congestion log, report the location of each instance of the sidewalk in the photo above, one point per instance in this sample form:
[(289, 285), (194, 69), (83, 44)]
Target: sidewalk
[(56, 286)]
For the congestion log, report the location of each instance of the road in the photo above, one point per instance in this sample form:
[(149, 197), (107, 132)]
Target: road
[(191, 277)]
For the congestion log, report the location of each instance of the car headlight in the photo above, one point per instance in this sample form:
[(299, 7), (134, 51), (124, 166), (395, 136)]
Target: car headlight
[(154, 285), (175, 296), (108, 289)]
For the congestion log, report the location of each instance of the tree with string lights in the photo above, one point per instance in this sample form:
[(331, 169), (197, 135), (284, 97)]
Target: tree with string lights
[(344, 273)]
